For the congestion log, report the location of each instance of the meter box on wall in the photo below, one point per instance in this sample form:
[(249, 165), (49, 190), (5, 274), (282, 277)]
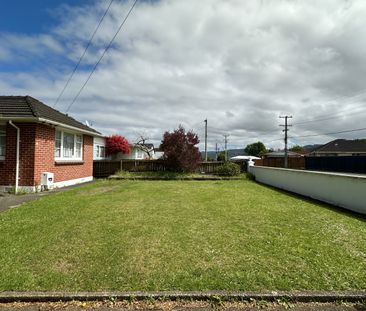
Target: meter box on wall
[(47, 180)]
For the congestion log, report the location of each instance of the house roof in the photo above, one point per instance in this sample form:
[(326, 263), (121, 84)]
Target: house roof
[(343, 145), (280, 154), (27, 107)]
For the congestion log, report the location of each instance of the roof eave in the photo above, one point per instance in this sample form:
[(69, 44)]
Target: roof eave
[(43, 120), (55, 123)]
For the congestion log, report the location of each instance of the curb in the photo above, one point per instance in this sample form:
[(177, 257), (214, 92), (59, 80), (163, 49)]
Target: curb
[(295, 296)]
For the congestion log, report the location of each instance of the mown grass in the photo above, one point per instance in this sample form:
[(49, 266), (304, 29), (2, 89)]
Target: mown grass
[(173, 175), (180, 235)]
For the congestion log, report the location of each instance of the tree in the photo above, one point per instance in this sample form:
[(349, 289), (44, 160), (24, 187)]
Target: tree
[(255, 149), (115, 144), (180, 151), (142, 146), (297, 148), (221, 156)]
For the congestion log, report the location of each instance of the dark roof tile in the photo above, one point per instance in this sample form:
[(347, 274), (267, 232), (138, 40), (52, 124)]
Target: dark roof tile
[(343, 145), (29, 107)]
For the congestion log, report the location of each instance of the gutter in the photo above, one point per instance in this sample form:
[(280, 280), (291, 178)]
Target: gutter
[(42, 120), (17, 156), (69, 127)]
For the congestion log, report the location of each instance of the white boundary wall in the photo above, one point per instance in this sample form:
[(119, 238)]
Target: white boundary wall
[(340, 189)]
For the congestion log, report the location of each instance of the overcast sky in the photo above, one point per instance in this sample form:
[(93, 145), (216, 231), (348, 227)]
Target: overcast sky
[(240, 64)]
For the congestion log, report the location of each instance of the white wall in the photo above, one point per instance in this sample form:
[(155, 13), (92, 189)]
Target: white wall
[(344, 190), (98, 141)]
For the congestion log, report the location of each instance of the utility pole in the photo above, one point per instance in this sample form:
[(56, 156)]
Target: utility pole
[(216, 150), (226, 136), (205, 140), (286, 125)]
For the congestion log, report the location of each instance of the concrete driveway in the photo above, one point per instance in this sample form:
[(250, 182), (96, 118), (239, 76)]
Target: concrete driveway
[(11, 200)]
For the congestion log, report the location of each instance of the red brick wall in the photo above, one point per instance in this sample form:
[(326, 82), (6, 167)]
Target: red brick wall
[(26, 155), (45, 157), (37, 155)]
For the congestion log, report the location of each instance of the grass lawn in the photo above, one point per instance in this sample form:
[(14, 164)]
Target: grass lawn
[(180, 235)]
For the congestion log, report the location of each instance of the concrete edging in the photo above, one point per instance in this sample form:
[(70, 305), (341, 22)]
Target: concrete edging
[(295, 296), (171, 178)]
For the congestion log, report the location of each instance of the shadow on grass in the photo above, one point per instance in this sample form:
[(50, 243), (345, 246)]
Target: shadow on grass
[(330, 207)]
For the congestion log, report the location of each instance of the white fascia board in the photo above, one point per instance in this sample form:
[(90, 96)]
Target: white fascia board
[(63, 125), (55, 123)]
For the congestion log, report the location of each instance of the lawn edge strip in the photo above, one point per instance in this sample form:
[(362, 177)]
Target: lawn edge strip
[(293, 296), (171, 178)]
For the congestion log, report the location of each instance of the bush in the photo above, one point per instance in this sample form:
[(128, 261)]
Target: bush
[(180, 151), (229, 169)]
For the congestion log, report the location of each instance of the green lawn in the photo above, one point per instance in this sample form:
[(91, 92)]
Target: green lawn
[(186, 235)]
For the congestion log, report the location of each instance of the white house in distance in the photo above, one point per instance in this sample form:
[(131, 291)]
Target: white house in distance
[(138, 151), (141, 152)]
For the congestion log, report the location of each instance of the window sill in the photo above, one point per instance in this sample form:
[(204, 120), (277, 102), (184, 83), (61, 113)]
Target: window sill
[(68, 162)]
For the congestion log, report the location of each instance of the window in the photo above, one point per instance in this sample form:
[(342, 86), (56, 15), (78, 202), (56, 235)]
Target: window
[(2, 141), (58, 144), (99, 151), (68, 146)]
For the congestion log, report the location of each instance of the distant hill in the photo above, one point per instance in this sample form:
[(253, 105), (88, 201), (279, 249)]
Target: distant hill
[(231, 153)]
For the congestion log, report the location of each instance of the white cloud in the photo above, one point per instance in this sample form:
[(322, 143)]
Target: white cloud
[(238, 63)]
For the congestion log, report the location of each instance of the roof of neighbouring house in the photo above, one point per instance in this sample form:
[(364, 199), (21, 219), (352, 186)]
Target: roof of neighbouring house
[(281, 154), (29, 107), (343, 145)]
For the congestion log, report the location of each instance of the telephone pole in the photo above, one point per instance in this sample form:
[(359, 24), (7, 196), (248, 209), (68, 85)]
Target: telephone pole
[(217, 151), (286, 125), (226, 136), (205, 140)]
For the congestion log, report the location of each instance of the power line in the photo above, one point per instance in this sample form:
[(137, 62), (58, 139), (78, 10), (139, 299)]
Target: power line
[(82, 55), (336, 115), (331, 133), (101, 57)]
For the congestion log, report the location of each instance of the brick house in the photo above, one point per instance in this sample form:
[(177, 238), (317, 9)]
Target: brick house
[(35, 138)]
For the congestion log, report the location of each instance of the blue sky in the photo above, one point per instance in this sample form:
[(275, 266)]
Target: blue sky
[(32, 16), (240, 64)]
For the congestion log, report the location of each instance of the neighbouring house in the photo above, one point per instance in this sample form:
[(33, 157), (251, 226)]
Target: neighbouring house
[(158, 153), (341, 147), (139, 152), (281, 154), (35, 139)]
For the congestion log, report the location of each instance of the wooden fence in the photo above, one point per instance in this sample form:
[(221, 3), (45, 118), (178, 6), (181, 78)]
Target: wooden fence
[(105, 168), (294, 163)]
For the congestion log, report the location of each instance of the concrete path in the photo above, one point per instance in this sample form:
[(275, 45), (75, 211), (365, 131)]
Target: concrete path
[(11, 200), (8, 201)]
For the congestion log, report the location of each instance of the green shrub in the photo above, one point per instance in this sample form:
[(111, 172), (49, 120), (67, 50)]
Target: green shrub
[(229, 169)]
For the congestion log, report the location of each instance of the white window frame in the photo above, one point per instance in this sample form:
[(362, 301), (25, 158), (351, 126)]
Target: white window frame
[(74, 157), (97, 151), (2, 157)]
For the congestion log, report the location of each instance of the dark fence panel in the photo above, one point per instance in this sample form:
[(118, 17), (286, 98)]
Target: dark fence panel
[(105, 168), (347, 164), (294, 163)]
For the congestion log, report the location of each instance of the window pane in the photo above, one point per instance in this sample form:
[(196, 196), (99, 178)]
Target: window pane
[(78, 145), (102, 151), (58, 144), (68, 145), (2, 141)]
